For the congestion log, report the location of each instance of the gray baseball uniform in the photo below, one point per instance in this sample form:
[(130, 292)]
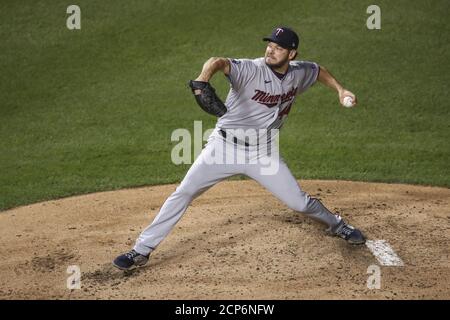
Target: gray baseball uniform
[(258, 101)]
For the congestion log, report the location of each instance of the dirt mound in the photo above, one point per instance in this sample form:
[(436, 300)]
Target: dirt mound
[(235, 242)]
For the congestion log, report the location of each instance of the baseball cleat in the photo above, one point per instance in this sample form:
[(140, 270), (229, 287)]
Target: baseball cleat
[(130, 260), (349, 233)]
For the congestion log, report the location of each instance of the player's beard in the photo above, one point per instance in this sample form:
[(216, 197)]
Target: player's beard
[(278, 64)]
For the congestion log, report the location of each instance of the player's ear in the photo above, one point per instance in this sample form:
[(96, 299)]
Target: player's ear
[(292, 54)]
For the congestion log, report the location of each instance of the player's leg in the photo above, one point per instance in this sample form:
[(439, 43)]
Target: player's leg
[(202, 175), (199, 178), (285, 187)]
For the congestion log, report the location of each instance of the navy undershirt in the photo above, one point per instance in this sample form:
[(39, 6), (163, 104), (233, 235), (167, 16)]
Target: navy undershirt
[(279, 75)]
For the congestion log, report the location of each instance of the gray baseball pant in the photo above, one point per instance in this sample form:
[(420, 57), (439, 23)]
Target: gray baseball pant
[(202, 175)]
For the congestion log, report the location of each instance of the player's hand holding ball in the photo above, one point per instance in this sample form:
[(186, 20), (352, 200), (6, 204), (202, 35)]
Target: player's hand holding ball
[(347, 98)]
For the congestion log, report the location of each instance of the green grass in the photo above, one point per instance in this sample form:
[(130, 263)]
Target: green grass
[(94, 109)]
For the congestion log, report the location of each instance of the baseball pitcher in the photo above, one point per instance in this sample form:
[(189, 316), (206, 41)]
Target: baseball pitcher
[(262, 92)]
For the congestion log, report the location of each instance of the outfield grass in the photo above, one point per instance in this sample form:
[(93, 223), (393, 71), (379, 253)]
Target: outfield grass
[(94, 109)]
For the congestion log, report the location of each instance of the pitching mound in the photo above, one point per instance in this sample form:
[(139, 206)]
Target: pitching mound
[(235, 242)]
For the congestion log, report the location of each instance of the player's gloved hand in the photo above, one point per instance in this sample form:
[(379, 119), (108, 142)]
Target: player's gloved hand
[(206, 98)]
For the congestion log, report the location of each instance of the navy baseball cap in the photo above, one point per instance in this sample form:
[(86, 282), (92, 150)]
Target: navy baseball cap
[(285, 37)]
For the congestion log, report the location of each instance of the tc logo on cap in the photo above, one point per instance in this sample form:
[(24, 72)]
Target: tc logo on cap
[(285, 37), (279, 30)]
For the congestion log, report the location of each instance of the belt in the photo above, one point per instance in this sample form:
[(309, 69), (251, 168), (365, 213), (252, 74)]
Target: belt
[(235, 140)]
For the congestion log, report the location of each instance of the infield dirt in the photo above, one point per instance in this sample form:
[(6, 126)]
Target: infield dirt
[(236, 241)]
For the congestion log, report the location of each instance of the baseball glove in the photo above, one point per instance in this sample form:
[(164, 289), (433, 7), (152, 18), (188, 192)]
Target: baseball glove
[(207, 98)]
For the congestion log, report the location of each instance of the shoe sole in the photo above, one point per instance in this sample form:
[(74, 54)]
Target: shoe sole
[(357, 243), (352, 242), (128, 269)]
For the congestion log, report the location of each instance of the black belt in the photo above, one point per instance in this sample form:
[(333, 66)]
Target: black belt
[(235, 140)]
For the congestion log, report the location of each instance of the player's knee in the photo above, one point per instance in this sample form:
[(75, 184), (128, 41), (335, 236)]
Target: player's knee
[(301, 207), (300, 203), (184, 192)]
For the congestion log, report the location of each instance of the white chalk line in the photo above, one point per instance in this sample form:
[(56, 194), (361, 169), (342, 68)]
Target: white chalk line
[(384, 253)]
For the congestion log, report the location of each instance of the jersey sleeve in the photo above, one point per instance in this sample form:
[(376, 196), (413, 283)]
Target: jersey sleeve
[(241, 71), (309, 71)]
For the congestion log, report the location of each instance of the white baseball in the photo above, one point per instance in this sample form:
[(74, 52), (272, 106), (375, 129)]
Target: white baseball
[(348, 102)]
